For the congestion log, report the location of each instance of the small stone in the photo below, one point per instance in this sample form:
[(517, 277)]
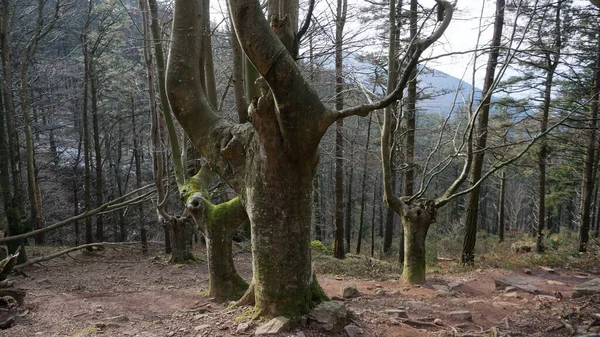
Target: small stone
[(509, 289), (380, 292), (349, 290), (549, 270), (300, 334), (118, 319), (511, 295), (555, 283), (454, 285), (242, 327), (476, 301), (457, 302), (442, 293), (276, 325), (527, 271), (441, 287), (461, 314), (353, 330), (171, 334), (505, 305), (438, 321), (397, 313), (202, 327)]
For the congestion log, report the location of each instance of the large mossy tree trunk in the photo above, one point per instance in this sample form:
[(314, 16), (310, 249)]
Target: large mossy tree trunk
[(270, 161)]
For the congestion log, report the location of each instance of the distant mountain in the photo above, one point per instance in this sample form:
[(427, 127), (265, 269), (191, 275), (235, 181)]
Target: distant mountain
[(442, 92)]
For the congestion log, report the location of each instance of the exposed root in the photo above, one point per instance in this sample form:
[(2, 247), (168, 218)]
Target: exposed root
[(248, 297)]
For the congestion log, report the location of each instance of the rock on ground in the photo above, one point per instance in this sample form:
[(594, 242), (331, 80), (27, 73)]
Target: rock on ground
[(591, 287), (516, 282), (328, 316), (353, 330), (461, 314), (274, 326), (349, 290)]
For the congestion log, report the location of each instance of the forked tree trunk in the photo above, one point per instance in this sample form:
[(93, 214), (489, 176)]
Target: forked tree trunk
[(220, 223), (416, 220)]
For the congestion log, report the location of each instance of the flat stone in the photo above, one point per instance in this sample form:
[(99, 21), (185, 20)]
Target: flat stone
[(328, 316), (555, 283), (458, 302), (349, 290), (442, 293), (461, 314), (516, 282), (118, 319), (505, 305), (353, 330), (202, 327), (440, 287), (454, 285), (242, 327), (549, 270), (591, 287), (397, 313), (274, 326), (511, 295)]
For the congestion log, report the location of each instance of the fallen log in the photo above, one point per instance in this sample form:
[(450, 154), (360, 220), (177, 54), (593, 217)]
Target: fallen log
[(72, 249)]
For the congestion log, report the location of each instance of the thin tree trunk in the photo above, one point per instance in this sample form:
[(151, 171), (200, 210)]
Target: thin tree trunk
[(468, 252), (501, 221), (410, 115), (393, 70), (349, 201), (97, 151), (587, 186), (373, 216), (339, 250), (552, 60), (14, 206), (89, 237), (363, 187)]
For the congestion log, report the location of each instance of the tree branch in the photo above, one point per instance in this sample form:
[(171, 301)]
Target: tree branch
[(419, 47)]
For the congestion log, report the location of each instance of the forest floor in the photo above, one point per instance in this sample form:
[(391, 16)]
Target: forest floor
[(121, 292)]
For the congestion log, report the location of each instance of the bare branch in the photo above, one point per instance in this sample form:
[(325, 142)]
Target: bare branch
[(419, 47)]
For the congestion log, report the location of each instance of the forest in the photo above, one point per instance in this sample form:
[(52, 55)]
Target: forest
[(259, 155)]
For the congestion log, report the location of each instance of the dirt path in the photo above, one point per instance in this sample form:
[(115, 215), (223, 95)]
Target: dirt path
[(124, 293)]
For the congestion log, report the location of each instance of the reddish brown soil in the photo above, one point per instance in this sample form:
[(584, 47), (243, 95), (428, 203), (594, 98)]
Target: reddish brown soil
[(81, 294)]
